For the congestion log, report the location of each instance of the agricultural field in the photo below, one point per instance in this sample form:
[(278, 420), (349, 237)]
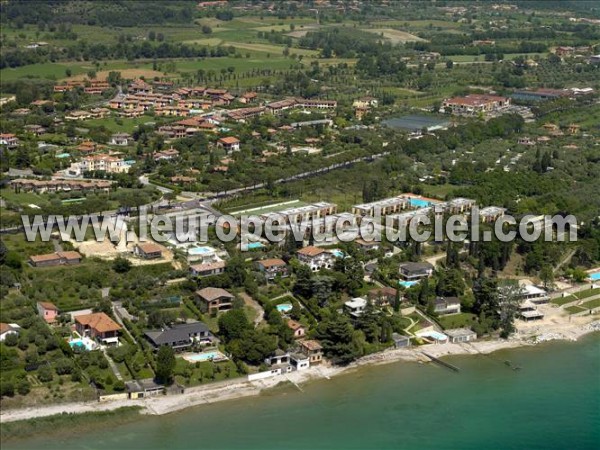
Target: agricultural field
[(394, 36)]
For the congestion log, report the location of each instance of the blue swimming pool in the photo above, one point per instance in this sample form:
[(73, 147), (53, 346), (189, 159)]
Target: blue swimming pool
[(200, 250), (434, 335), (595, 276), (63, 155), (419, 203), (255, 245), (206, 356), (337, 253), (407, 284), (284, 307), (81, 344)]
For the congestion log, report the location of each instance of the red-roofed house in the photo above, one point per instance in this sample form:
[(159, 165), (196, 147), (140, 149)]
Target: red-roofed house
[(474, 104), (208, 269), (297, 328), (229, 144), (316, 258), (98, 326), (272, 267), (9, 140), (148, 250), (47, 311)]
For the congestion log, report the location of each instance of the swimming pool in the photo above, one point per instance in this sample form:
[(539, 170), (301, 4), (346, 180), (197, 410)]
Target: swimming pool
[(433, 335), (407, 284), (206, 356), (337, 253), (200, 250), (419, 203), (82, 344), (284, 307), (255, 245), (594, 276), (63, 155)]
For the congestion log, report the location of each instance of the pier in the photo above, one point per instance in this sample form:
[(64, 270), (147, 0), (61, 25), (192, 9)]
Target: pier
[(442, 363)]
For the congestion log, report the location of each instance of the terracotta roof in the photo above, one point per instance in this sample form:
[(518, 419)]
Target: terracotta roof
[(310, 251), (4, 327), (212, 293), (49, 306), (229, 140), (274, 262), (294, 325), (98, 321), (311, 345), (150, 247), (208, 266), (69, 255), (44, 258)]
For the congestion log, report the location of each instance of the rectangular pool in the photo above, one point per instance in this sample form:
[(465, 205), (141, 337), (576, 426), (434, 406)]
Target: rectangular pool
[(434, 335), (205, 356), (594, 276), (407, 284), (420, 203), (200, 250)]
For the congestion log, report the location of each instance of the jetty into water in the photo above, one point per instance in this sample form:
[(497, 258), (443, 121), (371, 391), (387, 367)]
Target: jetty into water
[(441, 363)]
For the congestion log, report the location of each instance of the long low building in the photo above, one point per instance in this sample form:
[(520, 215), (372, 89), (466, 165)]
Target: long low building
[(299, 213), (41, 186), (55, 259), (180, 337), (474, 104)]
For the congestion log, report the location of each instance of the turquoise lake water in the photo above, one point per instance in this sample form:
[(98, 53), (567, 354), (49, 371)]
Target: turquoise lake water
[(553, 402)]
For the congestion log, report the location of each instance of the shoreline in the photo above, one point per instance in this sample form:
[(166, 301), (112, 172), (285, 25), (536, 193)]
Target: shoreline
[(240, 388)]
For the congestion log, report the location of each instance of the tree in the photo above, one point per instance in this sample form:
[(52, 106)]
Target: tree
[(547, 275), (253, 347), (121, 265), (509, 306), (165, 364), (337, 337), (233, 324)]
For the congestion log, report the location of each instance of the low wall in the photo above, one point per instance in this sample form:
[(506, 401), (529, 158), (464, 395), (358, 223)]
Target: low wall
[(263, 375)]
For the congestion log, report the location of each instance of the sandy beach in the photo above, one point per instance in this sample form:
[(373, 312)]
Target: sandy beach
[(554, 326)]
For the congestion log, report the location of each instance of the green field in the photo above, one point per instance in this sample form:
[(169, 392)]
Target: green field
[(116, 125)]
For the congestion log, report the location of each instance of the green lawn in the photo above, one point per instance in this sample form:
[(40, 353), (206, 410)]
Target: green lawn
[(204, 372), (589, 293), (564, 300), (457, 320), (23, 198), (574, 309), (591, 304), (117, 124)]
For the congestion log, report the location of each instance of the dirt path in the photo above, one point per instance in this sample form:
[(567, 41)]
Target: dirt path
[(260, 312)]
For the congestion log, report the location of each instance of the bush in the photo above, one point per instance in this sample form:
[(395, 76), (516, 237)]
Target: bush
[(7, 388), (45, 374), (23, 387), (63, 366)]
